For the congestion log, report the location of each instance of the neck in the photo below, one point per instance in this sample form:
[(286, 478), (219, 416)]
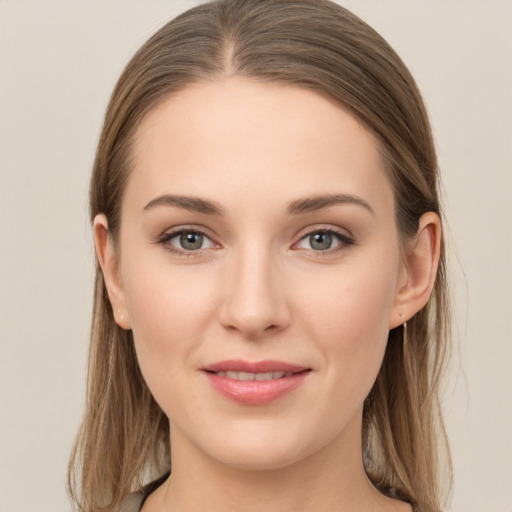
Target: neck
[(333, 478)]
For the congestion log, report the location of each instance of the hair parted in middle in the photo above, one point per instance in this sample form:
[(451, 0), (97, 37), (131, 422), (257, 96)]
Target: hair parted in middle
[(320, 46)]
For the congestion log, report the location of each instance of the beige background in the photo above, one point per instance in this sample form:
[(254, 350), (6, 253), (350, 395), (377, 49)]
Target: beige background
[(58, 63)]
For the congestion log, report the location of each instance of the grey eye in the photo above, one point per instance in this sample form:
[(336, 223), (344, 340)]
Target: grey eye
[(320, 241), (190, 241), (324, 240)]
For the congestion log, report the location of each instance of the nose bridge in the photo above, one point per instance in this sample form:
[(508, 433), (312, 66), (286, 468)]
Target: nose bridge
[(254, 301)]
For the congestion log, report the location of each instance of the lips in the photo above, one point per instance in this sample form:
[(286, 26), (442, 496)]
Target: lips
[(247, 376), (255, 383)]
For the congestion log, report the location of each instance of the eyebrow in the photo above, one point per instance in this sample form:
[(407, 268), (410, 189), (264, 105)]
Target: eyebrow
[(309, 204), (194, 204), (299, 206)]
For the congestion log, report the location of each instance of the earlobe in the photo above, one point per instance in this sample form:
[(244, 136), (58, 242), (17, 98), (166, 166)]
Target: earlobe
[(109, 263), (421, 260)]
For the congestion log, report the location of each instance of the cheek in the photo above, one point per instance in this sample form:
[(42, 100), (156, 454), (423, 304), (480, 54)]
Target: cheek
[(169, 310), (347, 313), (165, 299), (354, 298)]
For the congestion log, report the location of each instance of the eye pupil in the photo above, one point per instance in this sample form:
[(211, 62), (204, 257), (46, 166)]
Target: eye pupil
[(191, 241), (321, 241)]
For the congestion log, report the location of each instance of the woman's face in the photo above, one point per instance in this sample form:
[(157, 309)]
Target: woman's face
[(258, 238)]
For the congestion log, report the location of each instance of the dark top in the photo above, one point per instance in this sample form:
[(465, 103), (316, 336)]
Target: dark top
[(135, 501)]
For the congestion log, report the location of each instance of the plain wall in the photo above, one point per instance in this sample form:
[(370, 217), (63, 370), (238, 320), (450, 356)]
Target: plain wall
[(58, 63)]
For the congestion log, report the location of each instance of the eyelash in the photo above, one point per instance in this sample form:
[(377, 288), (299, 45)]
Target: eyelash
[(165, 239), (344, 240)]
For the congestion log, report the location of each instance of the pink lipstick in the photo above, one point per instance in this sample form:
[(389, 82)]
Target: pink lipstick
[(255, 383)]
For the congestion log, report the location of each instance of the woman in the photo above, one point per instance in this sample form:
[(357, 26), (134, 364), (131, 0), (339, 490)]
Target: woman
[(271, 311)]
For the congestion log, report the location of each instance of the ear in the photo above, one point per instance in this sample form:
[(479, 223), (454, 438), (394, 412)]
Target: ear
[(419, 268), (109, 263)]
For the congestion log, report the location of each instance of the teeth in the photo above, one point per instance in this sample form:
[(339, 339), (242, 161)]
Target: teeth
[(268, 376), (244, 376)]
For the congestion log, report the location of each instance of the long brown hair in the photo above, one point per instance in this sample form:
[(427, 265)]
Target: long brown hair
[(320, 46)]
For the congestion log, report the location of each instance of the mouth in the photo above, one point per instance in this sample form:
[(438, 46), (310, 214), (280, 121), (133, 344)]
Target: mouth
[(248, 376), (255, 383)]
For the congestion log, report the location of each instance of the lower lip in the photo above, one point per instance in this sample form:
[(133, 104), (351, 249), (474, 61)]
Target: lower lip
[(256, 392)]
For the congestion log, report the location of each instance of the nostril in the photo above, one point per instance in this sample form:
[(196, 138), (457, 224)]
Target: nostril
[(254, 308)]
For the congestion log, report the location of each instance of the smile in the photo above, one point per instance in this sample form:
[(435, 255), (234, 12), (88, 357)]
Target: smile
[(256, 383), (247, 376)]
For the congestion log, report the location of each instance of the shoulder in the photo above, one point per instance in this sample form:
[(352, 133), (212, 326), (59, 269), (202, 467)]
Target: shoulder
[(132, 503)]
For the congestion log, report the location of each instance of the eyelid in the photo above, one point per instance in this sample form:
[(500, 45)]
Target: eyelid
[(171, 233), (344, 237)]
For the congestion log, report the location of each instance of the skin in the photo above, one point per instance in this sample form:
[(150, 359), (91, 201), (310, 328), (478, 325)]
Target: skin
[(260, 289)]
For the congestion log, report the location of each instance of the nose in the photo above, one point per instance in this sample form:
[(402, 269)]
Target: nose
[(255, 302)]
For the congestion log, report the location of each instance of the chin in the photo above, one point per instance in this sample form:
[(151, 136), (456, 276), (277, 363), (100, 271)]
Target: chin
[(253, 458), (266, 447)]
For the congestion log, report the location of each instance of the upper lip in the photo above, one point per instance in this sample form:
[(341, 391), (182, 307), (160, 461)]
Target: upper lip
[(237, 365)]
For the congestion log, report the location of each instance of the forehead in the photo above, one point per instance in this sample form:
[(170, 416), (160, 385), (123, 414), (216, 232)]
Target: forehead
[(237, 138)]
